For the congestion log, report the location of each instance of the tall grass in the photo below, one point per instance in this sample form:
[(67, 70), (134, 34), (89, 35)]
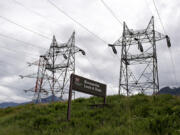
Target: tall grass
[(135, 115)]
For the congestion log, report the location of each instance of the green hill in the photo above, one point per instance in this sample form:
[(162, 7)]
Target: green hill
[(135, 115)]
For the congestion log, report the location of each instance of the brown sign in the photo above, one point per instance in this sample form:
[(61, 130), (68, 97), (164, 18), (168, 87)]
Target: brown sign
[(88, 86), (85, 85)]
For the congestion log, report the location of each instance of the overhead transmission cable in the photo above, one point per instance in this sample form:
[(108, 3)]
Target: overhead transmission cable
[(42, 34), (7, 63), (65, 15), (112, 13), (159, 16), (22, 5), (25, 28), (35, 12), (81, 25), (11, 38), (170, 53), (16, 52), (96, 70), (18, 40), (173, 64), (74, 20)]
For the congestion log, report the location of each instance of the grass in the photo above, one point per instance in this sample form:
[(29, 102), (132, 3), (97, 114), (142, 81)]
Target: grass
[(135, 115)]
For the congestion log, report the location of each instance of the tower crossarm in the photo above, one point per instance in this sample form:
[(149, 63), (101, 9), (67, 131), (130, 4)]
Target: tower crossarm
[(77, 49), (64, 49), (33, 63), (140, 56), (142, 36), (34, 75), (29, 90), (57, 66)]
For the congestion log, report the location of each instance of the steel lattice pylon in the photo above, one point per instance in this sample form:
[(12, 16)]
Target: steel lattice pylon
[(54, 69), (138, 65)]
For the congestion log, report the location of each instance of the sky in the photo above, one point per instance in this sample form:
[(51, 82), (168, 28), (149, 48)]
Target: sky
[(35, 23)]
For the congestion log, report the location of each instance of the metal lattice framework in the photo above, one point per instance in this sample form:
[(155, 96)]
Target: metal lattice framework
[(138, 65), (54, 69)]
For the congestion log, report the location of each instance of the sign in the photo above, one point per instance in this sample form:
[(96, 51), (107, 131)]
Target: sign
[(81, 84), (88, 86)]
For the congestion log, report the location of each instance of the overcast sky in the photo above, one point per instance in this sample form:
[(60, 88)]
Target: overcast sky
[(100, 63)]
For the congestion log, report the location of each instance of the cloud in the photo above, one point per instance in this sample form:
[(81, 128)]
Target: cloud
[(100, 63)]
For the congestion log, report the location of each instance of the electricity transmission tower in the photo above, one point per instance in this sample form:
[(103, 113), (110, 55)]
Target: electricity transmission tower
[(138, 65), (54, 69)]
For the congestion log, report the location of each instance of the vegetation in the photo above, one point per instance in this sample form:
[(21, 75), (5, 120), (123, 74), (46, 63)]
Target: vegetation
[(135, 115)]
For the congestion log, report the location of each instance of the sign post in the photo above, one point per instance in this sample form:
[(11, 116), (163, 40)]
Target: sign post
[(69, 99), (87, 86)]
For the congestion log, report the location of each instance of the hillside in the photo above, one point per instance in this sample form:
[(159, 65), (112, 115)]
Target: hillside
[(135, 115)]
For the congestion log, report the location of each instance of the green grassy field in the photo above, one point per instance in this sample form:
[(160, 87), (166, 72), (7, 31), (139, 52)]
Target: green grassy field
[(135, 115)]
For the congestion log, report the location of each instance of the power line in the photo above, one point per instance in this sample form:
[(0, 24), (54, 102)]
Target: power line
[(96, 70), (159, 17), (81, 25), (34, 12), (24, 42), (7, 63), (22, 5), (173, 65), (25, 28), (170, 53), (15, 51), (93, 66), (112, 13), (64, 14)]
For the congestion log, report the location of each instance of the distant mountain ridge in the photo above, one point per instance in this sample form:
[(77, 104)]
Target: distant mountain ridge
[(168, 90), (8, 104), (43, 100)]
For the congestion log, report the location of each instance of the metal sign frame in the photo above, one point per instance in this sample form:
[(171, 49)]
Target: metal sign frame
[(81, 84)]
